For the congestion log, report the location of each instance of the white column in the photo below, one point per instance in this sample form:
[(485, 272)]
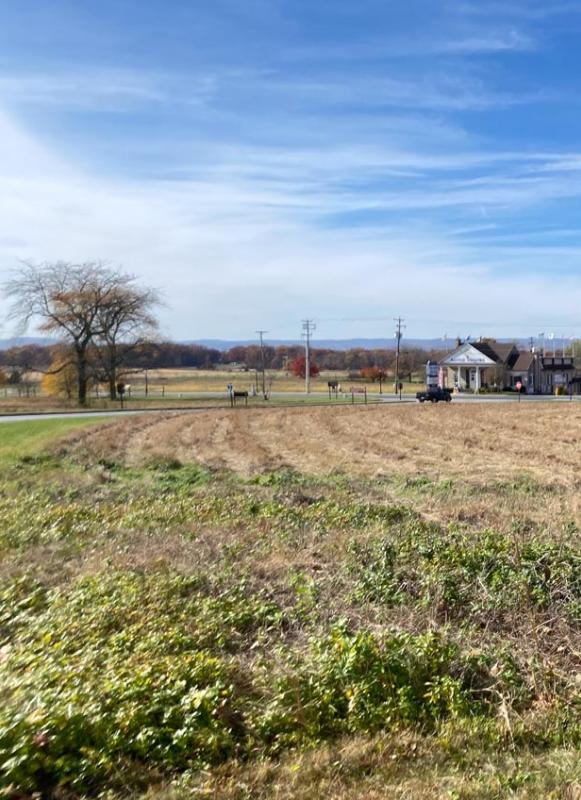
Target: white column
[(477, 382), (459, 377)]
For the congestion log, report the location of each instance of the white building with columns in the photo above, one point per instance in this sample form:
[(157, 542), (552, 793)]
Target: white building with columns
[(487, 364), (473, 365), (467, 364)]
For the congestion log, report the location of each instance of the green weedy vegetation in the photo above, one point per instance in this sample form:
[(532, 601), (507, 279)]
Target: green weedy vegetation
[(466, 573), (123, 671), (179, 632), (133, 674)]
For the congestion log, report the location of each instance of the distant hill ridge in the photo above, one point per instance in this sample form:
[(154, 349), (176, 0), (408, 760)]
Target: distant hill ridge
[(19, 341), (325, 344), (346, 344)]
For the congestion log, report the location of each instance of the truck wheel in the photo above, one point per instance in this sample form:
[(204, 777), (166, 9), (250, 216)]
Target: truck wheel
[(421, 399), (448, 399)]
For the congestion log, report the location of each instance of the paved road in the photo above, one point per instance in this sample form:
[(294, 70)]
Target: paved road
[(69, 415), (524, 398)]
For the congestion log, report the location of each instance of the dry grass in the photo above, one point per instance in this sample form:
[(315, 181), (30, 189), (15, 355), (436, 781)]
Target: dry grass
[(198, 380), (376, 768), (470, 443), (484, 463), (188, 381)]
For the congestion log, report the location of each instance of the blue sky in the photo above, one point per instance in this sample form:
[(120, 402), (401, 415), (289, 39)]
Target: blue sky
[(268, 160)]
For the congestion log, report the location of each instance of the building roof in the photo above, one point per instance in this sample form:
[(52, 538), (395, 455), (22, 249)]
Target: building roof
[(467, 355), (500, 353), (523, 363)]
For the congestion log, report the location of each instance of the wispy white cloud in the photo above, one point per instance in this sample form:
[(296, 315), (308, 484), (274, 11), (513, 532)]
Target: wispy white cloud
[(444, 92), (230, 248), (96, 89), (460, 39), (483, 43), (103, 89), (523, 9), (318, 180)]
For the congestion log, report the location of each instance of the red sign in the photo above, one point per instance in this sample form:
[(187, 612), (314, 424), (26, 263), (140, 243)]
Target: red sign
[(518, 386)]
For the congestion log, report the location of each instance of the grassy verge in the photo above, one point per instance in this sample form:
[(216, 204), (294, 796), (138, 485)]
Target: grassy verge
[(25, 439), (174, 631)]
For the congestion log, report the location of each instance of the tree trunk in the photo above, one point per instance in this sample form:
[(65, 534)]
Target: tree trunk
[(113, 372), (82, 376)]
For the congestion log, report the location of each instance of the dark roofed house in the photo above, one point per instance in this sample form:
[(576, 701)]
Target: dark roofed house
[(523, 372), (500, 353)]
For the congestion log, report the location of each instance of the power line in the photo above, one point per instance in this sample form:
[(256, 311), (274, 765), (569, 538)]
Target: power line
[(308, 326), (472, 323)]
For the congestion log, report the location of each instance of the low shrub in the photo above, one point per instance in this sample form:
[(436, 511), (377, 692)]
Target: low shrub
[(128, 676), (353, 682), (466, 573), (123, 674)]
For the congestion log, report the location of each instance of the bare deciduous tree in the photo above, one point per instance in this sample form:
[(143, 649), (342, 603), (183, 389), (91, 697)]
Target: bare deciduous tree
[(76, 303), (126, 322)]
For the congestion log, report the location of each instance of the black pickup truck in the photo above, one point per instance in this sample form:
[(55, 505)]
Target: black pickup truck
[(434, 395)]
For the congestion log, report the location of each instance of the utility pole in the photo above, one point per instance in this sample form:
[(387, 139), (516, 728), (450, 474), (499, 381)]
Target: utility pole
[(261, 335), (398, 334), (308, 328)]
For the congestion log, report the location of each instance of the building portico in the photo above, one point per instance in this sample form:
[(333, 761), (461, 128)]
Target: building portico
[(468, 378), (467, 364)]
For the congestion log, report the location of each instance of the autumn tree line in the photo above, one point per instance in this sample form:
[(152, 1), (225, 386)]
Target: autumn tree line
[(106, 327), (172, 355)]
